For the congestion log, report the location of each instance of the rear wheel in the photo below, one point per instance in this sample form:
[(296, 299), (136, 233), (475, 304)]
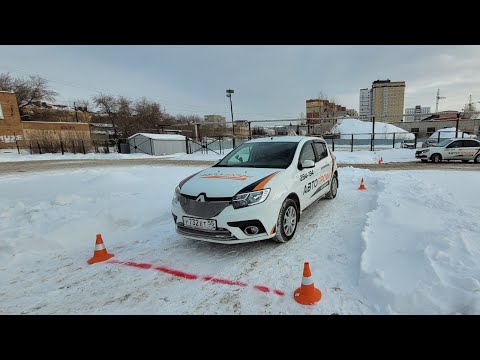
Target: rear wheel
[(436, 158), (477, 159), (287, 221), (333, 189)]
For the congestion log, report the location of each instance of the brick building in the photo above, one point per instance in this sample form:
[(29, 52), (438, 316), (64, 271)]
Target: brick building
[(12, 128)]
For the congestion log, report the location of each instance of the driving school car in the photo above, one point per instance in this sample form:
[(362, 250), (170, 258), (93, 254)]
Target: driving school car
[(256, 192), (451, 149)]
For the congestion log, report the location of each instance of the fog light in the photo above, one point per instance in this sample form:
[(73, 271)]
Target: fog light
[(251, 230)]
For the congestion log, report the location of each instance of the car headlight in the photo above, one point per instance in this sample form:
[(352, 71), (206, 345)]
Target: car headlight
[(251, 198), (424, 151), (177, 193)]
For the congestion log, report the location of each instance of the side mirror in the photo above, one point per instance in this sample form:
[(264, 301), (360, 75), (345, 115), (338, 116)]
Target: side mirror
[(307, 164)]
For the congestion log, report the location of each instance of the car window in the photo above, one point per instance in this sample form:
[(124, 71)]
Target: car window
[(243, 155), (470, 143), (307, 153), (321, 150), (455, 144)]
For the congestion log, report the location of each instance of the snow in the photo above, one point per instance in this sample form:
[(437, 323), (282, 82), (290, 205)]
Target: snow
[(372, 157), (160, 136), (12, 155), (343, 155), (449, 133), (407, 245), (363, 130)]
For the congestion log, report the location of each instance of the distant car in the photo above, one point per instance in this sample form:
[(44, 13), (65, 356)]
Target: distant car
[(408, 144), (451, 149), (429, 143), (256, 192)]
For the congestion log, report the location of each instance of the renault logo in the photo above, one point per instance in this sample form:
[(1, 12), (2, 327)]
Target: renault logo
[(201, 198)]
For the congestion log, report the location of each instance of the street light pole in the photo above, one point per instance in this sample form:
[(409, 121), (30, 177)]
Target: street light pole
[(229, 95)]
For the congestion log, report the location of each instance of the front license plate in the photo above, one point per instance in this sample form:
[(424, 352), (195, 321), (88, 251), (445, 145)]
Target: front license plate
[(200, 223)]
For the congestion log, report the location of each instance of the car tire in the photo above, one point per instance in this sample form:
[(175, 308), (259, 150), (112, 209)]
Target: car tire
[(436, 158), (477, 159), (423, 160), (333, 188), (288, 216)]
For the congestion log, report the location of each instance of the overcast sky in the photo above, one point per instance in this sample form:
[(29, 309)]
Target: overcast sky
[(270, 82)]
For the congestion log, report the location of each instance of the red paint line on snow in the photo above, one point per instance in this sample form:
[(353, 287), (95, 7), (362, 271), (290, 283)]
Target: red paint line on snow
[(176, 273), (189, 276), (223, 281)]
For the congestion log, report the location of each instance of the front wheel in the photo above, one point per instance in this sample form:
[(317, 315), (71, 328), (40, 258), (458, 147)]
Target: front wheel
[(287, 221), (477, 159), (333, 189), (436, 158)]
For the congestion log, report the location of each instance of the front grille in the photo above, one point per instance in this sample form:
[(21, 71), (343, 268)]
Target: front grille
[(204, 209), (218, 235)]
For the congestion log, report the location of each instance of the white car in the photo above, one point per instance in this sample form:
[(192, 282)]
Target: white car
[(408, 144), (256, 192), (451, 149)]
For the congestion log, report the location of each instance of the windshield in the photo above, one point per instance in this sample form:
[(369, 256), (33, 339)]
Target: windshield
[(278, 155), (444, 143)]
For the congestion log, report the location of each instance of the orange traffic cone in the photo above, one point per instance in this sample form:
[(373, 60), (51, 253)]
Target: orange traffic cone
[(307, 293), (380, 161), (100, 254), (362, 187)]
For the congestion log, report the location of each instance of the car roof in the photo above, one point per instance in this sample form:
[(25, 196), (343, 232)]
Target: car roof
[(286, 138)]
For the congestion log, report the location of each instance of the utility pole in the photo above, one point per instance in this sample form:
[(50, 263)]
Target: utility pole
[(438, 98), (456, 129), (76, 114), (229, 95)]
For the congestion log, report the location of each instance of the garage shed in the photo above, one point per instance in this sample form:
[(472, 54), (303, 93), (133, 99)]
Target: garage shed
[(157, 144)]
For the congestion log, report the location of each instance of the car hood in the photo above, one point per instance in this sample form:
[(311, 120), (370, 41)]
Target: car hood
[(223, 182)]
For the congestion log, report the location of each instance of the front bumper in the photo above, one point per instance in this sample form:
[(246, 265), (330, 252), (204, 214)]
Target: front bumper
[(266, 213), (419, 155)]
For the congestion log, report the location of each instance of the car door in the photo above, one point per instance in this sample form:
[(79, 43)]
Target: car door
[(324, 164), (452, 151), (307, 178), (470, 149)]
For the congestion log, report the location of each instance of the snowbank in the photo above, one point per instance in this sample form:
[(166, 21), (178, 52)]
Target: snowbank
[(449, 133), (372, 157), (13, 155), (421, 244), (363, 130)]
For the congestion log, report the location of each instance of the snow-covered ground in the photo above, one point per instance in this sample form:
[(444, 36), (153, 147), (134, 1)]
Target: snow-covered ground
[(409, 244), (343, 154), (363, 129)]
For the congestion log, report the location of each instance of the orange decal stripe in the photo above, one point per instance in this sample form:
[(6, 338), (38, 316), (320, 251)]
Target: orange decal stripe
[(264, 182)]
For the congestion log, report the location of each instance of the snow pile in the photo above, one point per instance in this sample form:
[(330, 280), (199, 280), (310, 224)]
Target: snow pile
[(449, 133), (372, 157), (13, 155), (421, 244), (363, 130), (160, 136)]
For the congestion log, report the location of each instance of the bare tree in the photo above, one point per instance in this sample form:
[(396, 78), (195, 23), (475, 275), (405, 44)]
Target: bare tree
[(107, 104), (188, 119), (28, 91), (322, 95)]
